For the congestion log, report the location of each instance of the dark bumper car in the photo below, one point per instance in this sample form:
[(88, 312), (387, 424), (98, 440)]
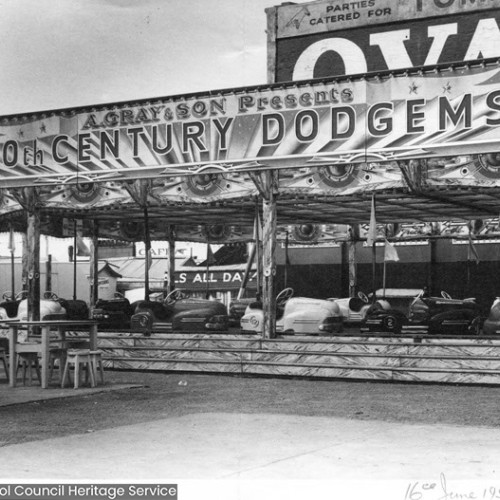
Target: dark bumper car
[(53, 307), (113, 314), (177, 313), (10, 305), (237, 310), (445, 316), (430, 315), (392, 317)]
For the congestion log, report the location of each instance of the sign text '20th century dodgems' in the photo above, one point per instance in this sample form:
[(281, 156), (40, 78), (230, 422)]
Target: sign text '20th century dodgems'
[(455, 111)]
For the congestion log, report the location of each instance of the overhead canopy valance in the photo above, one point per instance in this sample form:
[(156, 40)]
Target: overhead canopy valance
[(426, 141)]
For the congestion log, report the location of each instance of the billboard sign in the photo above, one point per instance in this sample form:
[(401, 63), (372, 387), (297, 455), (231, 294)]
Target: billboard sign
[(332, 122), (328, 38)]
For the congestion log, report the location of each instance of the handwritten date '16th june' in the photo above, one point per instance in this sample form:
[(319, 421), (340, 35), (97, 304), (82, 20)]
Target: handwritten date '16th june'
[(443, 490)]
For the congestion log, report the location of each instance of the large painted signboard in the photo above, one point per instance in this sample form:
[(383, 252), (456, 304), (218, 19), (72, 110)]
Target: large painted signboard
[(334, 37), (327, 123)]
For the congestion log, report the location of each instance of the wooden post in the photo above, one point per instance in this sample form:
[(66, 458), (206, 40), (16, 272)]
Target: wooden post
[(94, 265), (24, 263), (258, 253), (33, 263), (147, 253), (170, 277), (269, 255)]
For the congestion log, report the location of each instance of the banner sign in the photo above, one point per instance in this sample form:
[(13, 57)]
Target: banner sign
[(328, 123), (216, 280), (317, 40), (381, 47), (318, 17)]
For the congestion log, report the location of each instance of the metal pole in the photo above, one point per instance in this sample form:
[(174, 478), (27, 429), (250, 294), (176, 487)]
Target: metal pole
[(74, 259), (94, 264), (12, 261), (383, 280), (286, 261), (48, 273), (207, 292), (374, 270)]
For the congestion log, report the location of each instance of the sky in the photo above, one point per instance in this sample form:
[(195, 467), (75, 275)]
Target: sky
[(65, 53)]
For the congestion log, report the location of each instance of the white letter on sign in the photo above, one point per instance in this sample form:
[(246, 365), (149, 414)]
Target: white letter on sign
[(393, 49), (351, 54), (439, 34), (485, 41)]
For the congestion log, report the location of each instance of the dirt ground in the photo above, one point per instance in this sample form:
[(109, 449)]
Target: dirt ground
[(164, 395)]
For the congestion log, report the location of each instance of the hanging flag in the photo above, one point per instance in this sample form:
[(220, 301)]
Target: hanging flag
[(81, 248), (371, 237), (149, 258), (287, 257), (390, 253), (472, 251), (12, 243), (210, 256), (257, 228)]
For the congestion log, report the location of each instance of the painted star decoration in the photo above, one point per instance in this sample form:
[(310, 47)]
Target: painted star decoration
[(20, 133), (413, 88), (447, 88), (43, 128)]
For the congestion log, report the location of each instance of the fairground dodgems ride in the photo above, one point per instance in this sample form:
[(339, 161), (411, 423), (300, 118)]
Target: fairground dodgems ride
[(179, 313), (140, 174)]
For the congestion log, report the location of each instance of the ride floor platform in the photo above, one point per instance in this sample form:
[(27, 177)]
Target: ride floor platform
[(403, 358)]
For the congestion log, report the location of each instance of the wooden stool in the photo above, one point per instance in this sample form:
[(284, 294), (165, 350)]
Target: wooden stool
[(57, 354), (96, 361), (4, 359), (28, 361), (77, 357)]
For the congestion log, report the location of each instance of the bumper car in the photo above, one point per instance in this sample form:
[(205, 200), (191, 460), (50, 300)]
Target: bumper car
[(443, 315), (300, 315), (178, 313), (10, 305), (237, 310), (392, 317), (113, 314), (432, 315), (54, 308), (491, 324), (355, 309)]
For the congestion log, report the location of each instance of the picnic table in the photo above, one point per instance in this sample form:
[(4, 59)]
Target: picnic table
[(40, 344)]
